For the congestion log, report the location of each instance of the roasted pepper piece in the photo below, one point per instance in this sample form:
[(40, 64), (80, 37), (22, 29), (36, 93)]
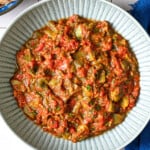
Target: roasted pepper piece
[(125, 102), (118, 118)]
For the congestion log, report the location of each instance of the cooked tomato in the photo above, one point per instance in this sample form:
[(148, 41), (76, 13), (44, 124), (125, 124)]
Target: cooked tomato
[(76, 78)]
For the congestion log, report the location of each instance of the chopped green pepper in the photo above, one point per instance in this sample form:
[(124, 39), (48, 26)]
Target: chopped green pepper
[(88, 87), (125, 102), (118, 118), (97, 107)]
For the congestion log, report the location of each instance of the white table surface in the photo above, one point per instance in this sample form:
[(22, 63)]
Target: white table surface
[(8, 140)]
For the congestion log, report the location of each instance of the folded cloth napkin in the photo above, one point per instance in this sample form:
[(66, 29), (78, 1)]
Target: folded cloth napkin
[(141, 11)]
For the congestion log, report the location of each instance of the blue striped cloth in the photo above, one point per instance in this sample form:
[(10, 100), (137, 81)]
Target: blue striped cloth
[(141, 11)]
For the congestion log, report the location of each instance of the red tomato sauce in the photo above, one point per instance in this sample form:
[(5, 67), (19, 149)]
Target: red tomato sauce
[(76, 78)]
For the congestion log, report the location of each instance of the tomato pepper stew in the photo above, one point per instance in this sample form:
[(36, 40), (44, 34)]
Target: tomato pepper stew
[(76, 78)]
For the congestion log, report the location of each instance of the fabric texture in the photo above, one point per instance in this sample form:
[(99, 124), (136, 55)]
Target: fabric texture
[(141, 12)]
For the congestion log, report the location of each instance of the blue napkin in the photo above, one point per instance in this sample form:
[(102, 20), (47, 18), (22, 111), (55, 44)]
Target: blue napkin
[(141, 11)]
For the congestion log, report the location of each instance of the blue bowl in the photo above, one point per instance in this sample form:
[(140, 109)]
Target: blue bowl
[(9, 6)]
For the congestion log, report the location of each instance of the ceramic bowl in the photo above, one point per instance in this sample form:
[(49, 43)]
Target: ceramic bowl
[(37, 16)]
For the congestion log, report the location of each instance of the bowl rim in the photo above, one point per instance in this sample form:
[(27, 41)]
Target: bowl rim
[(106, 2), (44, 1)]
